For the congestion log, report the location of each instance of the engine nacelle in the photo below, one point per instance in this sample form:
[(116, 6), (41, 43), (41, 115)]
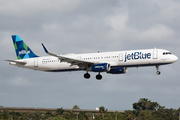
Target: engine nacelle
[(118, 71), (102, 67)]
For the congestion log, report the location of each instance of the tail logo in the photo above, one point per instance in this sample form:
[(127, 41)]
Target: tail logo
[(22, 50)]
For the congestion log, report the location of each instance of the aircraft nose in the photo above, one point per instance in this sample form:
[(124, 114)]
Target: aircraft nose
[(175, 58)]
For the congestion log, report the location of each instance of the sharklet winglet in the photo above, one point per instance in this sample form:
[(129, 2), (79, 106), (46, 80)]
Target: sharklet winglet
[(49, 52), (44, 48)]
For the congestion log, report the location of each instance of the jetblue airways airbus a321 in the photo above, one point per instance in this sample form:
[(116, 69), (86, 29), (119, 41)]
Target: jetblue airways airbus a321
[(110, 62)]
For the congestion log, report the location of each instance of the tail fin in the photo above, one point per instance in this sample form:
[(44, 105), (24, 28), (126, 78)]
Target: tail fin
[(22, 50)]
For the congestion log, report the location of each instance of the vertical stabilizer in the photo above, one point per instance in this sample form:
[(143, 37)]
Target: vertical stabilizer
[(22, 50)]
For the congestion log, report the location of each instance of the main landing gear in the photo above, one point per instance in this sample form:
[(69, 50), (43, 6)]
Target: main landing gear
[(98, 76), (87, 75), (157, 68)]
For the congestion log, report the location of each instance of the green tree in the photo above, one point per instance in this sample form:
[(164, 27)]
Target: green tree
[(107, 116), (70, 115), (145, 104), (28, 116), (97, 117), (20, 115), (120, 116), (89, 116), (166, 114), (60, 111), (178, 112), (82, 114), (49, 113), (58, 118), (129, 114), (14, 116), (5, 115), (145, 115), (75, 107), (102, 110), (38, 115)]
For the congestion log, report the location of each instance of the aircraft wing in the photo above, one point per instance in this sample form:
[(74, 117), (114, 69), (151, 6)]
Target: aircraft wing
[(18, 62), (81, 63)]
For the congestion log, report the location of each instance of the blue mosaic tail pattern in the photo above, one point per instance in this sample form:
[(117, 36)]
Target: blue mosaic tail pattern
[(22, 50)]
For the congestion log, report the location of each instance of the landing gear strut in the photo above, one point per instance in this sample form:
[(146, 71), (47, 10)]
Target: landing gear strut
[(157, 68), (87, 75), (99, 76)]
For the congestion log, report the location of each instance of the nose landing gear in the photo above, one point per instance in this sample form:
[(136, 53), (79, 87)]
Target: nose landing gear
[(158, 72), (157, 68)]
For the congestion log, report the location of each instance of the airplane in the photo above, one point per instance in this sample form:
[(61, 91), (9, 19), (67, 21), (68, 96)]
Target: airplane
[(115, 62)]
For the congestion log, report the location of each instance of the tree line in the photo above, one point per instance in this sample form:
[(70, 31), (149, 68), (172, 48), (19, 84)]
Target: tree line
[(144, 109)]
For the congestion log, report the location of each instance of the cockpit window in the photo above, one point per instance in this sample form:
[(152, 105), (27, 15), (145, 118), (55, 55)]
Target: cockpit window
[(166, 53)]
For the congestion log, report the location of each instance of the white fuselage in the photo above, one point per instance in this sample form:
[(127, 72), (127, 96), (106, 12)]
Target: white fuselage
[(117, 59)]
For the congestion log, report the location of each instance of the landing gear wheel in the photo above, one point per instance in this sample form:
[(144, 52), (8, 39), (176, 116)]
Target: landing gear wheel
[(158, 72), (87, 75), (157, 68), (98, 77)]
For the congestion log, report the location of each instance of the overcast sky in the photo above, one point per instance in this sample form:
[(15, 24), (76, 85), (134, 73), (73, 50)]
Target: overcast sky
[(84, 26)]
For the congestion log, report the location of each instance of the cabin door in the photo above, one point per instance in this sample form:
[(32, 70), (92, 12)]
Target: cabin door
[(35, 62), (155, 54), (121, 57)]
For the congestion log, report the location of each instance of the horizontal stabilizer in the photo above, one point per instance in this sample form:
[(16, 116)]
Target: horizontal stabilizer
[(18, 62)]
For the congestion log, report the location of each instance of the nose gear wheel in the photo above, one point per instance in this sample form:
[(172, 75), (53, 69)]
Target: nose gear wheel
[(157, 68)]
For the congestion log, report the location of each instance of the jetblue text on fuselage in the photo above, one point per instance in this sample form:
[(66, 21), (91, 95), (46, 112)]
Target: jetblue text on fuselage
[(136, 56)]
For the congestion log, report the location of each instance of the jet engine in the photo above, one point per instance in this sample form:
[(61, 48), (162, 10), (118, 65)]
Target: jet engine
[(102, 67), (118, 71)]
